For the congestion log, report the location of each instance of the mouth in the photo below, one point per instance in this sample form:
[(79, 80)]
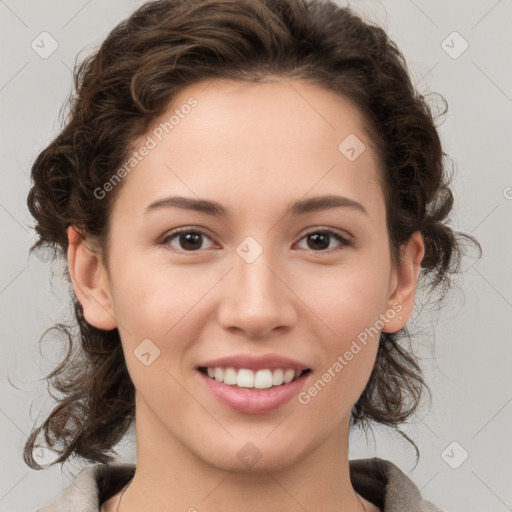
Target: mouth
[(258, 391), (248, 379)]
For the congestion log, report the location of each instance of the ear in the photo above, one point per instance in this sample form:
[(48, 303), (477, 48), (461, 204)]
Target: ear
[(90, 282), (405, 281)]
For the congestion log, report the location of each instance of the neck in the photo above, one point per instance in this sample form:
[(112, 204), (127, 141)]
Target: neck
[(170, 476)]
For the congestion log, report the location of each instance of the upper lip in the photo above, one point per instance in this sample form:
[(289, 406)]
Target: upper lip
[(252, 362)]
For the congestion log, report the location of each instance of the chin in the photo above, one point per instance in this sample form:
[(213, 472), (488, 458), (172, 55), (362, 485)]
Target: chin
[(252, 457)]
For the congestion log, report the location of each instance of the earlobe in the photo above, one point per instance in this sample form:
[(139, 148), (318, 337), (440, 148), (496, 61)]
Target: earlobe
[(401, 300), (90, 282)]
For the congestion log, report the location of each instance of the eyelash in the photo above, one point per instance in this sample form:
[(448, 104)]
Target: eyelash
[(329, 231)]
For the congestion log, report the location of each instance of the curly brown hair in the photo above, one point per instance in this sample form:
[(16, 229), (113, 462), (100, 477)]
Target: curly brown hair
[(146, 60)]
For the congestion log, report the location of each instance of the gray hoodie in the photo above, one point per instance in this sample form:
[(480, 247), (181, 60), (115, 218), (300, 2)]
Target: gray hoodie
[(377, 480)]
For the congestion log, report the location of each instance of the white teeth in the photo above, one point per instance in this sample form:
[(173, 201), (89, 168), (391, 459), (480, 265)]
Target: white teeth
[(219, 374), (230, 376), (260, 379), (288, 376), (277, 377), (245, 378)]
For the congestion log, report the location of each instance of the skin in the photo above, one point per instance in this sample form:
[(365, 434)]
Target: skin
[(254, 148)]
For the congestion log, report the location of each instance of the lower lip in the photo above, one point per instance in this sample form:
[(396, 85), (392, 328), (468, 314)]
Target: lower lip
[(254, 401)]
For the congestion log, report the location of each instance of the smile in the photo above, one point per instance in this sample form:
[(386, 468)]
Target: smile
[(259, 379), (247, 399)]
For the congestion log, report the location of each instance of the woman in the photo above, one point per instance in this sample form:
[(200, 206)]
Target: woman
[(247, 194)]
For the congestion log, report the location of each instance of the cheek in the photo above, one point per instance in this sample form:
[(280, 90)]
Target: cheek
[(347, 307), (348, 342), (154, 312), (153, 303), (154, 296), (337, 387), (345, 301)]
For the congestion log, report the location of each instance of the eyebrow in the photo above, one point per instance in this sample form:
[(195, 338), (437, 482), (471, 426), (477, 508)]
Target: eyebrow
[(300, 207)]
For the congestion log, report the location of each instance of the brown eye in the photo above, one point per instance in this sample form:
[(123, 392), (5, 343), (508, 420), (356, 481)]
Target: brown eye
[(186, 240), (321, 240), (318, 241)]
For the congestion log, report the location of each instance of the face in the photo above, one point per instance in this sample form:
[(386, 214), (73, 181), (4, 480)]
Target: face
[(265, 273)]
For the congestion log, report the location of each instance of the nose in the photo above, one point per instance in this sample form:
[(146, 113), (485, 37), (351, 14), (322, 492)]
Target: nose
[(257, 301)]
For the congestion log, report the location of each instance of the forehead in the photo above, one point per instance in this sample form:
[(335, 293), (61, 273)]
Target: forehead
[(271, 142)]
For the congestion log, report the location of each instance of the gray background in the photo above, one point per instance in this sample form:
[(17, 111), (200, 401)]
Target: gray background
[(465, 347)]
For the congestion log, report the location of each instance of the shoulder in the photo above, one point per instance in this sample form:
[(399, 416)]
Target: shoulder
[(385, 485), (91, 487)]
